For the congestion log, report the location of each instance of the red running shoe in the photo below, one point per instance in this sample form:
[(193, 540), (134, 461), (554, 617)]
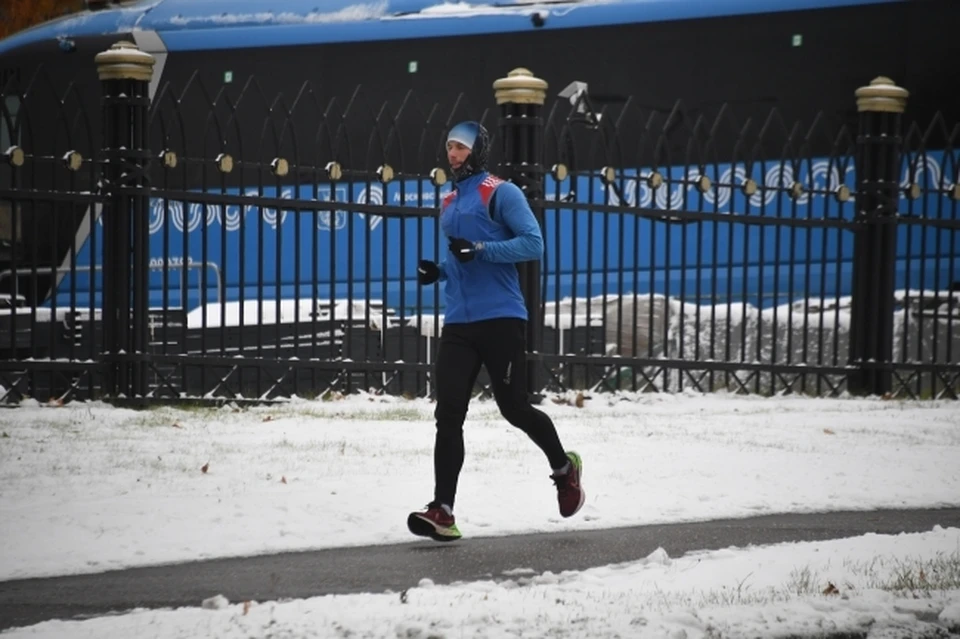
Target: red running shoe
[(570, 494), (434, 523)]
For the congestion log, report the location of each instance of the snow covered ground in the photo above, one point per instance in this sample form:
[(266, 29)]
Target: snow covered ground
[(87, 487)]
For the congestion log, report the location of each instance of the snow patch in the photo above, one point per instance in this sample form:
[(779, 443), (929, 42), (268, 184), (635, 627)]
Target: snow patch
[(354, 13)]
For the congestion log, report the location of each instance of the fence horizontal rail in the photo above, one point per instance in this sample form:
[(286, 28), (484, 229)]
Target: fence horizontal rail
[(42, 196), (213, 359), (684, 216), (42, 365), (929, 222), (689, 365), (297, 205)]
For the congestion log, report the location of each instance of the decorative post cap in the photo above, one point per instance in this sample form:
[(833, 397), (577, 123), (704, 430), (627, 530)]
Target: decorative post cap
[(882, 95), (125, 61), (520, 87)]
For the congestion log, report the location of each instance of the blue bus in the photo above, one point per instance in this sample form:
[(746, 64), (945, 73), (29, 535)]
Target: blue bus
[(797, 58)]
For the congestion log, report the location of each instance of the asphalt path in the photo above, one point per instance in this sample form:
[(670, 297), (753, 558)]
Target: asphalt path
[(396, 567)]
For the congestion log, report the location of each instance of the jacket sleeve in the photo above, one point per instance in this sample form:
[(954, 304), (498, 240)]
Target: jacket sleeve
[(527, 242)]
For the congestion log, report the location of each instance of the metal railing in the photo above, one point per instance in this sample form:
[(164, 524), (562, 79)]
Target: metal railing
[(680, 252), (86, 268)]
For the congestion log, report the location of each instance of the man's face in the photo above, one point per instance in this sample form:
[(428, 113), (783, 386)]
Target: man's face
[(457, 154)]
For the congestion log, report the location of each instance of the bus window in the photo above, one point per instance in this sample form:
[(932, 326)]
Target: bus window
[(8, 119), (9, 136)]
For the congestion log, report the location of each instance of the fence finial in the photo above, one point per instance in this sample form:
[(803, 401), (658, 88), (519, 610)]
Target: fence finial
[(882, 95), (125, 61), (520, 87)]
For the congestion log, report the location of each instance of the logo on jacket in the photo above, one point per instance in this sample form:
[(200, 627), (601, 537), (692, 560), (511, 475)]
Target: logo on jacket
[(488, 186)]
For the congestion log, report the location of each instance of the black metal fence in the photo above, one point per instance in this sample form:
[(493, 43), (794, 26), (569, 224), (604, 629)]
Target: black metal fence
[(233, 245)]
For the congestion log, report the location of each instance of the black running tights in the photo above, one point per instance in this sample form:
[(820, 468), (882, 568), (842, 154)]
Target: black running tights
[(500, 345)]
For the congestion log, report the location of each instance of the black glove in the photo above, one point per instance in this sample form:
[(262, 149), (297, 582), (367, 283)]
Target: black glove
[(427, 272), (462, 249)]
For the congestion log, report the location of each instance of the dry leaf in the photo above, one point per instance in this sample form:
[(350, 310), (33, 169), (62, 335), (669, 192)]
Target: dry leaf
[(579, 401), (177, 425), (831, 589), (283, 479), (246, 607), (55, 403), (268, 418), (205, 467), (828, 431)]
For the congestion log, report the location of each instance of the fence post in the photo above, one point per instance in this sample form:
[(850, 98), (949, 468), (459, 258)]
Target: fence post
[(125, 72), (881, 106), (520, 97)]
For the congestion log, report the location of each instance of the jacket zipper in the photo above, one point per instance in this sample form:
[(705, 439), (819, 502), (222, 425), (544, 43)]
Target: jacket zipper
[(463, 271)]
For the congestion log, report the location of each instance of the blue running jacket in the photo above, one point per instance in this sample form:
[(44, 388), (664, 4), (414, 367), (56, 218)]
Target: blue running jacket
[(487, 287)]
